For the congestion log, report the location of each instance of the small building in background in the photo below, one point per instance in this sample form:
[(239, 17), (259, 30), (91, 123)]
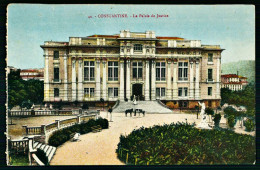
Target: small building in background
[(27, 74), (233, 82), (10, 68)]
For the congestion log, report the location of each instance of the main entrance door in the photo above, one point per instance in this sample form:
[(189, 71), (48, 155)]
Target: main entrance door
[(137, 90)]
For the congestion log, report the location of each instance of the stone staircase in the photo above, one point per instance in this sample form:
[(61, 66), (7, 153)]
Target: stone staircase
[(48, 150), (147, 106)]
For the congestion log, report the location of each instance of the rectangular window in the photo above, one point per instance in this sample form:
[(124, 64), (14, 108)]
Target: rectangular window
[(210, 57), (138, 48), (89, 70), (137, 70), (160, 92), (112, 71), (56, 92), (55, 54), (183, 91), (89, 92), (113, 92), (210, 75), (56, 74), (183, 71), (209, 91), (160, 71)]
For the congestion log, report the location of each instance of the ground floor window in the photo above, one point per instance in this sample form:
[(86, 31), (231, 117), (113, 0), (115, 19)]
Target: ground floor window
[(89, 92), (183, 91), (160, 92), (209, 91), (113, 92), (56, 92), (183, 104)]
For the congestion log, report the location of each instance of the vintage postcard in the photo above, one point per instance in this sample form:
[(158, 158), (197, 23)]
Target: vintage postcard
[(130, 85)]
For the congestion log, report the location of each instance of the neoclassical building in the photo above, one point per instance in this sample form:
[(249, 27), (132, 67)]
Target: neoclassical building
[(115, 67)]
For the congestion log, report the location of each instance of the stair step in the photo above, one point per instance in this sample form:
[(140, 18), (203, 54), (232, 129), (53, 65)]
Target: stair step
[(49, 151), (42, 147), (52, 153), (35, 144), (38, 146), (46, 148)]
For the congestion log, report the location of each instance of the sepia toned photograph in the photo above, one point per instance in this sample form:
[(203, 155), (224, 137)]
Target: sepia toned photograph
[(130, 85)]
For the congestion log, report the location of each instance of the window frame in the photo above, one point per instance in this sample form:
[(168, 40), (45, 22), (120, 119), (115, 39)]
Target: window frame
[(210, 57), (114, 92), (162, 92), (112, 67), (88, 68), (183, 68), (184, 92), (56, 74), (89, 92), (158, 70), (56, 54), (137, 68), (211, 74), (56, 92), (210, 91), (138, 47)]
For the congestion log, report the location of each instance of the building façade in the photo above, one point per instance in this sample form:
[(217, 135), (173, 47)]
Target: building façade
[(116, 67)]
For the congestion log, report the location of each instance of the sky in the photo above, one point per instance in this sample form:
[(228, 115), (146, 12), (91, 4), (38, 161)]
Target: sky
[(29, 25)]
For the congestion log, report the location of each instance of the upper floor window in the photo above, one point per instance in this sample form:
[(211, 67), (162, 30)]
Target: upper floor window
[(138, 47), (112, 71), (89, 70), (160, 71), (183, 91), (56, 54), (137, 69), (56, 74), (209, 91), (183, 71), (56, 92), (210, 78), (210, 57)]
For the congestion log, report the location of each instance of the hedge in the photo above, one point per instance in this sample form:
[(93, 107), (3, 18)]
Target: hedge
[(61, 136), (182, 144), (250, 125)]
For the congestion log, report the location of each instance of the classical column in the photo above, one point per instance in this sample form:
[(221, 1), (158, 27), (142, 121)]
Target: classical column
[(121, 90), (153, 80), (218, 80), (146, 92), (197, 82), (175, 77), (104, 81), (80, 84), (65, 98), (73, 81), (97, 90), (191, 81), (128, 84), (169, 88), (46, 77)]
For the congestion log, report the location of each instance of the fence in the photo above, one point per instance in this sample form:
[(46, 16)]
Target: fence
[(19, 113)]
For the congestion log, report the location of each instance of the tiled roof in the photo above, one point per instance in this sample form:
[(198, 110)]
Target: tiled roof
[(230, 76)]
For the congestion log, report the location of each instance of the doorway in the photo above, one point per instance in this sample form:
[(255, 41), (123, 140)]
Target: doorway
[(137, 90)]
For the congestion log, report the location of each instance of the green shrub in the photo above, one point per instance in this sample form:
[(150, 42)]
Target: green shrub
[(216, 120), (183, 144), (42, 156), (209, 111), (250, 125), (20, 159), (231, 121), (62, 136)]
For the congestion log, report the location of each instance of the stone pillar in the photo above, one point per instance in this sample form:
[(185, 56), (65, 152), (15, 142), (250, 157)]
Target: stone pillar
[(191, 81), (128, 84), (78, 120), (104, 81), (73, 79), (153, 80), (169, 77), (46, 76), (65, 98), (25, 130), (147, 75), (175, 78), (43, 129), (80, 84), (121, 89), (97, 90), (58, 123), (197, 82), (218, 79)]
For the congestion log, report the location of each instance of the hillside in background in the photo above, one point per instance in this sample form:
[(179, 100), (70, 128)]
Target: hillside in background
[(245, 68)]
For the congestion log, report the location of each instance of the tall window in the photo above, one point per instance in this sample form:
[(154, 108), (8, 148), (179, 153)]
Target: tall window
[(56, 92), (55, 54), (183, 91), (89, 92), (209, 91), (56, 74), (210, 57), (112, 71), (89, 71), (160, 92), (137, 70), (183, 71), (210, 75), (138, 48), (160, 71), (112, 92)]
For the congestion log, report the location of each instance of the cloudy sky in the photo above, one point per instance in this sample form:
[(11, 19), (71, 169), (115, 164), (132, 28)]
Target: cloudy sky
[(230, 26)]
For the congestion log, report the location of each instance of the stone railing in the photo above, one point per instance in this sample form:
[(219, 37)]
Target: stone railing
[(19, 113), (117, 103), (162, 104)]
